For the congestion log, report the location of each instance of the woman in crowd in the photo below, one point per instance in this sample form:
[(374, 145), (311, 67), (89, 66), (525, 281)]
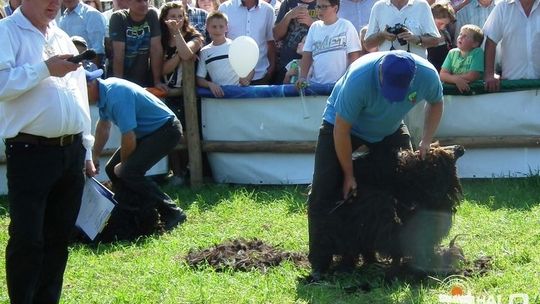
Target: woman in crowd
[(179, 39), (444, 15), (332, 44), (181, 42)]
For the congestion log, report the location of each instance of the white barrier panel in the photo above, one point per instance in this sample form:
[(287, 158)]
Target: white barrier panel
[(499, 114), (262, 119), (114, 141)]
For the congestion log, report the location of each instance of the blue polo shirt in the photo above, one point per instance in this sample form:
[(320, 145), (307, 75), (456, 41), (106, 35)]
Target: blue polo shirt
[(131, 107), (358, 100)]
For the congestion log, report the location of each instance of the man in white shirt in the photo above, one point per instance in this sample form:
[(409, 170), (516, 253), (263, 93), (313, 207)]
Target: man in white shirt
[(420, 29), (46, 126), (515, 25), (254, 18)]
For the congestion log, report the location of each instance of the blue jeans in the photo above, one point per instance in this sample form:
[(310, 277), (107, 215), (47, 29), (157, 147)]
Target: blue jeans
[(45, 186), (150, 149)]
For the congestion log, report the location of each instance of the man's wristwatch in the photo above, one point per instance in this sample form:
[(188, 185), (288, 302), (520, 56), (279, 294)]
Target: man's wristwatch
[(419, 40)]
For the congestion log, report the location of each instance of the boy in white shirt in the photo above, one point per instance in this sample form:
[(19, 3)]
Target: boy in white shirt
[(214, 57)]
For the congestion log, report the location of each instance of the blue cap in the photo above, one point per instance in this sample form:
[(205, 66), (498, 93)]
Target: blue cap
[(91, 75), (398, 69)]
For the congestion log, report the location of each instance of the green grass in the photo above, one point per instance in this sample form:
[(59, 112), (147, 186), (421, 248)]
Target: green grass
[(500, 218)]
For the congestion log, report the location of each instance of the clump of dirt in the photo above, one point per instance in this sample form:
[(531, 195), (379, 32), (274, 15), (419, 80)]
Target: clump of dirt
[(480, 266), (243, 255)]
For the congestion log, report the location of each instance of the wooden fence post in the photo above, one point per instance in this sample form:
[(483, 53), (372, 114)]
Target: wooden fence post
[(191, 129)]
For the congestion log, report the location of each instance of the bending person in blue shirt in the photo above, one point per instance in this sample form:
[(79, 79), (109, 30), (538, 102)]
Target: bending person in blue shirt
[(149, 132), (366, 107)]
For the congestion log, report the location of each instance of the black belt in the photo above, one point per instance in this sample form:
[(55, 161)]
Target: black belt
[(61, 141)]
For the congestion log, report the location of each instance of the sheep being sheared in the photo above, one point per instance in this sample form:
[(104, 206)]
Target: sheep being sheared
[(403, 209)]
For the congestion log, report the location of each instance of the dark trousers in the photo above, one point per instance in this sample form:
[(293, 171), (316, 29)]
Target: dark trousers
[(45, 186), (150, 149), (327, 186)]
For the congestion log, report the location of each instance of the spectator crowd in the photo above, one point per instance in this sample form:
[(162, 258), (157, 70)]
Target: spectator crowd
[(301, 41)]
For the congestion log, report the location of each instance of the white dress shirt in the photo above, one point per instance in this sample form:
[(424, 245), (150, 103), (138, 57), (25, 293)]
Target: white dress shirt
[(256, 23), (32, 101), (415, 15), (519, 38)]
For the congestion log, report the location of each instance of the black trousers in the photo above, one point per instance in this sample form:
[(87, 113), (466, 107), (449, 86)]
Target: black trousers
[(150, 150), (326, 189), (45, 186)]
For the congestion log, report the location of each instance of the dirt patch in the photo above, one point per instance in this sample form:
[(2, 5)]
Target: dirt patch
[(480, 266), (243, 255)]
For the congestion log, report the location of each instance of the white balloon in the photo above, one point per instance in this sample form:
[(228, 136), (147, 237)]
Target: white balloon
[(243, 55)]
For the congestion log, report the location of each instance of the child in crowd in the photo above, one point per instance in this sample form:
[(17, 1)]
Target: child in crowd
[(465, 63), (332, 44), (293, 67), (214, 58)]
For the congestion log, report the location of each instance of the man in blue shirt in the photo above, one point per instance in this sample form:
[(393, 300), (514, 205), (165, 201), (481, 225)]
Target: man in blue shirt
[(80, 19), (150, 131), (366, 108)]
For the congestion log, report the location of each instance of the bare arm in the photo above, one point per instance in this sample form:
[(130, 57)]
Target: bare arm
[(343, 146), (429, 41), (491, 80), (280, 29), (375, 40), (305, 64), (426, 40), (214, 88), (448, 77), (271, 58), (103, 128), (187, 50), (433, 114), (184, 51), (156, 59), (128, 145), (119, 49)]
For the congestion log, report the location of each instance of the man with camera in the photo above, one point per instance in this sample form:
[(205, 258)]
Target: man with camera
[(413, 29)]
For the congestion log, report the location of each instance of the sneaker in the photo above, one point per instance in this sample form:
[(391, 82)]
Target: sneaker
[(172, 218)]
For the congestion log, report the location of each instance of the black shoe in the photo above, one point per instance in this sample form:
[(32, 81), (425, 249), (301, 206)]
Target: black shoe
[(172, 218)]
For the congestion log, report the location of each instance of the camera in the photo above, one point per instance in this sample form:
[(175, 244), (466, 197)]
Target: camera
[(397, 29)]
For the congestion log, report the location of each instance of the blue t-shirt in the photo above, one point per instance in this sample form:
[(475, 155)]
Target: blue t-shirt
[(131, 107), (358, 100)]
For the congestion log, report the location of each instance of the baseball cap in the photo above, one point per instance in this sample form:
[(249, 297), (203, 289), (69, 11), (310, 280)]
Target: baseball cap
[(398, 69), (91, 75)]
